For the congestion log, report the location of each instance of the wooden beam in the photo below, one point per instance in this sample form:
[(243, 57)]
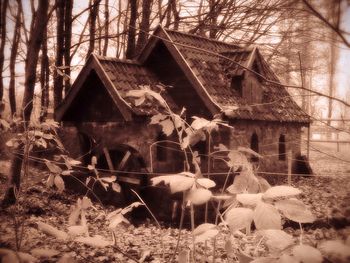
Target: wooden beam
[(109, 160), (129, 180), (124, 161)]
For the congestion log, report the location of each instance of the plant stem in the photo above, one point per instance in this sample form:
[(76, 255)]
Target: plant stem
[(214, 249), (180, 228), (301, 234), (192, 228)]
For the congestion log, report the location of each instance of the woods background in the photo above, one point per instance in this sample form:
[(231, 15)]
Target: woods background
[(45, 43)]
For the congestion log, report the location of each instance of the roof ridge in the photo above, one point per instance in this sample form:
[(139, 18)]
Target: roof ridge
[(119, 60), (202, 37)]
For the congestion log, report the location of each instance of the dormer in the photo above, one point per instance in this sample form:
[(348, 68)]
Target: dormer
[(245, 83)]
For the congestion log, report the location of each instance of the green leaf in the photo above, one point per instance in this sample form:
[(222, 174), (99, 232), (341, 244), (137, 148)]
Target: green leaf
[(281, 191), (67, 172), (110, 179), (221, 197), (53, 167), (266, 216), (236, 159), (77, 230), (203, 228), (177, 182), (130, 207), (306, 253), (211, 233), (249, 199), (167, 127), (221, 147), (277, 239), (74, 216), (295, 210), (86, 203), (199, 196), (116, 187), (249, 151), (59, 183), (240, 185), (136, 93), (139, 101), (26, 257), (157, 118), (50, 180), (95, 241), (263, 184), (335, 250), (52, 231), (205, 182), (116, 220), (239, 218), (93, 161), (10, 143), (192, 138), (5, 124), (199, 123)]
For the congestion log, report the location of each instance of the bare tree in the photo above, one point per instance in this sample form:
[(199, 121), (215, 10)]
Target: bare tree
[(334, 14), (67, 42), (3, 8), (144, 25), (44, 79), (130, 50), (106, 28), (13, 56), (58, 72), (94, 4), (35, 41)]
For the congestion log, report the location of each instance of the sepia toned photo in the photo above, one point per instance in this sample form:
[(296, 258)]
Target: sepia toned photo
[(186, 131)]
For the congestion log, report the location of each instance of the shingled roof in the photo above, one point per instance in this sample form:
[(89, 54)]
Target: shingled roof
[(203, 65), (208, 68)]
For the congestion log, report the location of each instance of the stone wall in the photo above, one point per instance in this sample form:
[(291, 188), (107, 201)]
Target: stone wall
[(268, 134)]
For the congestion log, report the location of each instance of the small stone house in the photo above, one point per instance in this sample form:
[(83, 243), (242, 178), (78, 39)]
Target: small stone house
[(98, 119)]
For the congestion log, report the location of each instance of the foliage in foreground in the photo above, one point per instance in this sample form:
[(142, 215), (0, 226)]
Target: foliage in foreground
[(248, 201)]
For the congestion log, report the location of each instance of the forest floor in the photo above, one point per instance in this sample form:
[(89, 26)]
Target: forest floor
[(327, 196)]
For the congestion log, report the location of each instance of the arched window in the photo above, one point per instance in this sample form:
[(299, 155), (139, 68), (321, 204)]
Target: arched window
[(161, 150), (254, 145), (282, 148)]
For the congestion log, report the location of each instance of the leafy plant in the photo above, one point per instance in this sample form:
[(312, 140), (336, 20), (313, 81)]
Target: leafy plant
[(249, 199)]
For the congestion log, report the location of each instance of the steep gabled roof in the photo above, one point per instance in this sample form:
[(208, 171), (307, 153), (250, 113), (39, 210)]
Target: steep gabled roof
[(203, 62), (119, 77), (204, 58)]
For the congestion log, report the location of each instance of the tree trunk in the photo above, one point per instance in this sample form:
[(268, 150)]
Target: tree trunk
[(130, 50), (3, 8), (106, 27), (67, 43), (13, 56), (176, 15), (58, 72), (44, 79), (35, 41), (334, 12), (92, 22), (145, 24)]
